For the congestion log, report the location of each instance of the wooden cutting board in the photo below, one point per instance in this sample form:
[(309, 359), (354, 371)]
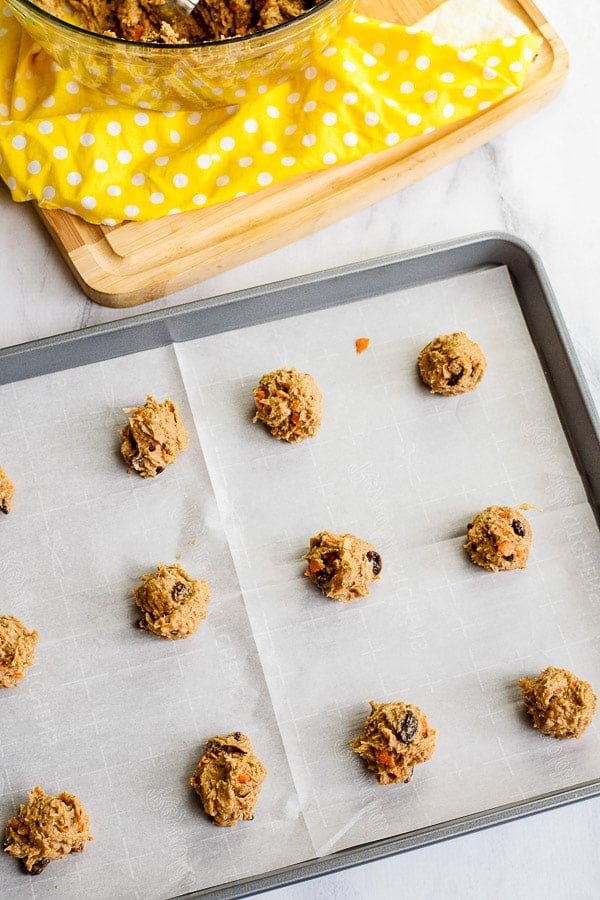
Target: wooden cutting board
[(135, 262)]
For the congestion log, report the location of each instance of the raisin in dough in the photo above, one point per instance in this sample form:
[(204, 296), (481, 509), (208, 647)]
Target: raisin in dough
[(47, 828), (395, 738), (153, 437), (452, 364), (499, 538), (173, 603), (290, 404), (7, 490), (17, 650), (560, 704), (341, 565), (228, 779)]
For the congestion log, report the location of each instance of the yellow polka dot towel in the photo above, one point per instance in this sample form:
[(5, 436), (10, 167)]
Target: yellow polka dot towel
[(72, 148)]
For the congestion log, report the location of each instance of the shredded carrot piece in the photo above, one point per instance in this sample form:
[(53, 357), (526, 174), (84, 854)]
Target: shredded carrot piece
[(505, 548), (362, 344), (14, 823), (295, 417), (243, 778), (384, 758), (315, 565)]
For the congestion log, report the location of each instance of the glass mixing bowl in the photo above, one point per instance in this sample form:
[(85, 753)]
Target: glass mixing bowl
[(184, 76)]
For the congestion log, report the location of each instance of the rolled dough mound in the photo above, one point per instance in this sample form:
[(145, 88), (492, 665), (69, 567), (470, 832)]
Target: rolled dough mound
[(228, 779), (290, 404), (17, 650), (395, 738), (560, 704), (7, 490), (153, 437), (499, 538), (451, 364), (173, 603), (47, 828), (341, 565)]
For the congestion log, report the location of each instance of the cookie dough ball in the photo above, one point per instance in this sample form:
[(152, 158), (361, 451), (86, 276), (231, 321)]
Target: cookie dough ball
[(560, 704), (341, 565), (451, 364), (499, 538), (173, 603), (290, 404), (17, 650), (153, 437), (395, 738), (228, 779), (47, 828), (7, 490)]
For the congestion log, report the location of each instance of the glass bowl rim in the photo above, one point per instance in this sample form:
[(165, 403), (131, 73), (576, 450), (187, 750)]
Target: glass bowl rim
[(181, 48)]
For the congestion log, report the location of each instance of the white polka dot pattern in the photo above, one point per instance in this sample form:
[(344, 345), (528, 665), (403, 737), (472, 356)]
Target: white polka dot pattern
[(70, 147)]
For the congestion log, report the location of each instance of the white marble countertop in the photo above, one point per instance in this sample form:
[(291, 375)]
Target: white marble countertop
[(538, 181)]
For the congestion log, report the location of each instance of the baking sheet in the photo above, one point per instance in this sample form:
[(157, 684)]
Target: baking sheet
[(120, 718)]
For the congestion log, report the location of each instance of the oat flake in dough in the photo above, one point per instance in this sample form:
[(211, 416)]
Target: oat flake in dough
[(228, 779), (395, 738), (560, 704), (47, 828), (153, 437)]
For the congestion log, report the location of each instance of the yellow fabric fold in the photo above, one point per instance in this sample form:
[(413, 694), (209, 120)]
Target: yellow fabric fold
[(72, 148)]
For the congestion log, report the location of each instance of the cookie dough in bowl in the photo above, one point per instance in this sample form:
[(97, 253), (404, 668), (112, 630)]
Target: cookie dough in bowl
[(395, 738), (155, 22), (290, 404), (172, 602), (151, 59), (7, 491), (153, 437), (560, 704), (228, 779), (499, 538), (452, 364), (47, 828), (17, 650), (342, 566)]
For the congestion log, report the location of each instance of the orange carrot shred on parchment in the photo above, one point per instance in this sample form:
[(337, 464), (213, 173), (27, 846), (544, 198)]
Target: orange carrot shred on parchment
[(362, 344)]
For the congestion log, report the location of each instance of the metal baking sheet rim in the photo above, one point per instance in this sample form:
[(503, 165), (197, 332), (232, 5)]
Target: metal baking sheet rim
[(335, 287)]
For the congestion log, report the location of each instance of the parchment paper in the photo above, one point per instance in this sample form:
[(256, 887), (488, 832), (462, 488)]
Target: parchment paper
[(120, 718)]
